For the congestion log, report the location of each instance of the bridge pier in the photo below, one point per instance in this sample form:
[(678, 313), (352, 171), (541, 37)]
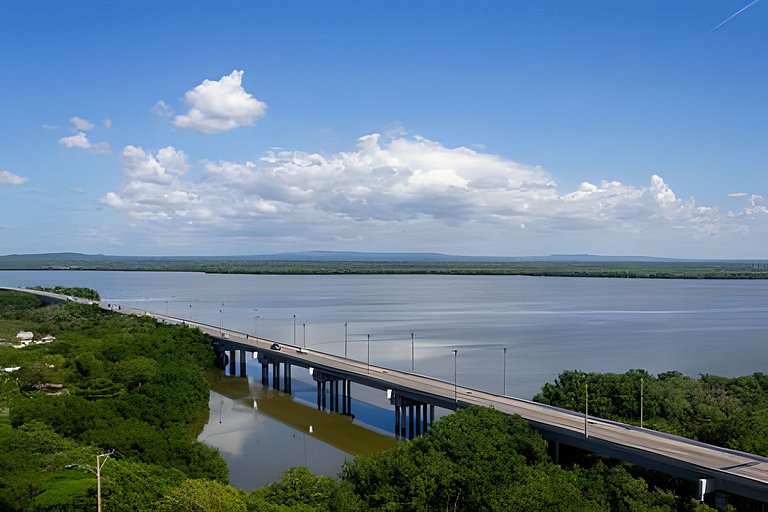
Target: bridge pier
[(232, 362), (412, 417), (331, 396), (243, 370)]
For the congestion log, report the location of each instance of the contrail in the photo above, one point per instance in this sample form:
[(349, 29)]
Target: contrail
[(729, 18)]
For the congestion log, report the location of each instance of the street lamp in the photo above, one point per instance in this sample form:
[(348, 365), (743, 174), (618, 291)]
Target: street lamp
[(305, 335), (455, 394), (412, 358), (504, 392), (221, 322), (345, 340), (641, 402), (586, 409), (294, 330), (190, 312), (256, 324), (369, 353)]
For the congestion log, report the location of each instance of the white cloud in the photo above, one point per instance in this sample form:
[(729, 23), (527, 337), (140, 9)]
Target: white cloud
[(80, 124), (8, 178), (217, 106), (80, 140), (107, 122), (409, 190)]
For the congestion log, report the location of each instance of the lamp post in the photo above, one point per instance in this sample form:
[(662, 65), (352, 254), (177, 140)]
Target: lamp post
[(256, 324), (369, 353), (586, 410), (345, 340), (221, 322), (641, 402), (455, 393), (190, 312), (294, 330), (412, 357), (305, 335), (504, 388)]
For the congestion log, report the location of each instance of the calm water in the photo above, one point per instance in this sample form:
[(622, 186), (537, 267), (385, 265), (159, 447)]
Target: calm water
[(547, 325)]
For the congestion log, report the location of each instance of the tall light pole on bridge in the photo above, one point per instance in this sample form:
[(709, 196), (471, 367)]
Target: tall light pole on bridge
[(641, 402), (412, 357), (256, 322), (504, 389), (455, 374), (369, 353), (586, 410), (221, 322), (294, 330), (345, 340), (305, 335)]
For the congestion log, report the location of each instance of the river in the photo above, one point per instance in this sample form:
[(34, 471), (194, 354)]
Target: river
[(546, 324)]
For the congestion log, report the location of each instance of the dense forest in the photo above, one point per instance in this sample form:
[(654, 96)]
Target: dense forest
[(612, 268), (110, 383)]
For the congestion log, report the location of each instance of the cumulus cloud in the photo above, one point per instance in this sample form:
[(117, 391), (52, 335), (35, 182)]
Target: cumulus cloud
[(216, 106), (80, 124), (411, 189), (81, 141), (8, 178)]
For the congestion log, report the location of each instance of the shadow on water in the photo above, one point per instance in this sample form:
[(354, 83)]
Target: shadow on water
[(262, 432)]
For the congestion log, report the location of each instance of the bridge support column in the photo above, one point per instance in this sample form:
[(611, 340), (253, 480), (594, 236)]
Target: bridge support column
[(276, 375), (232, 362), (349, 397), (287, 377), (418, 419), (319, 391), (410, 422), (431, 414), (242, 363), (323, 397), (424, 423), (397, 421), (402, 422), (265, 373)]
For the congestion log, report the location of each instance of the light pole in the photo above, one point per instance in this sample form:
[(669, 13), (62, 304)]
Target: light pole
[(641, 402), (586, 409), (166, 307), (504, 392), (455, 393), (412, 358), (294, 330), (256, 325), (345, 340), (305, 335), (369, 353), (190, 312), (221, 322)]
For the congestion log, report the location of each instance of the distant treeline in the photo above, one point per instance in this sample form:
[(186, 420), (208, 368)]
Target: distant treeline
[(608, 269)]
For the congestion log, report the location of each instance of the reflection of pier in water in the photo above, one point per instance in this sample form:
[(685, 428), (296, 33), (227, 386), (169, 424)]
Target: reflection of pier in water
[(334, 429)]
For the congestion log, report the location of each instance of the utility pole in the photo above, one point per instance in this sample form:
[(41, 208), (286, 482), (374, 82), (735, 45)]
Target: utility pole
[(100, 461)]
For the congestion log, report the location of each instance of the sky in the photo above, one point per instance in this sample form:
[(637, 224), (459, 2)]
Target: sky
[(498, 128)]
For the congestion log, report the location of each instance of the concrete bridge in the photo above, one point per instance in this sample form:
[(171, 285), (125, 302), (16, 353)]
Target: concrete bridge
[(415, 397)]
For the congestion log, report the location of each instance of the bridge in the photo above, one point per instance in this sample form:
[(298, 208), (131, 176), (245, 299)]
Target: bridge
[(415, 396)]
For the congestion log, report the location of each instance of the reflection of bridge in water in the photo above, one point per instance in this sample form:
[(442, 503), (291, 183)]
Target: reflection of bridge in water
[(336, 430), (414, 397)]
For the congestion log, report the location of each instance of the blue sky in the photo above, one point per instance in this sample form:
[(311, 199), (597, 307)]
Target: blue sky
[(479, 128)]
